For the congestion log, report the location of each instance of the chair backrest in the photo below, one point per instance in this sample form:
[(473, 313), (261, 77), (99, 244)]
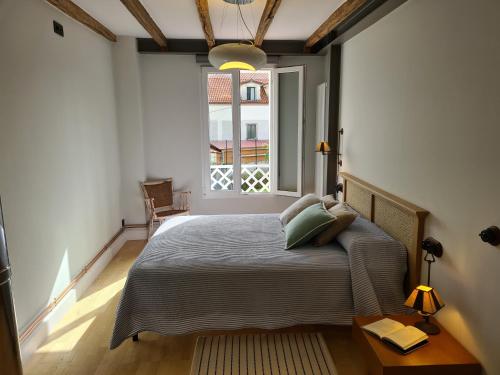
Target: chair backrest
[(161, 191)]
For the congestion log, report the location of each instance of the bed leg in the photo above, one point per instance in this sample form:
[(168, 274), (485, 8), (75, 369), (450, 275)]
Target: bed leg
[(135, 337)]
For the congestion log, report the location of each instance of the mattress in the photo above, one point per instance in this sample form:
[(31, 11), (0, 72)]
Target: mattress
[(201, 273)]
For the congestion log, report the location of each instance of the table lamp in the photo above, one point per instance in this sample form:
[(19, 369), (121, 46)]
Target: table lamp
[(427, 302)]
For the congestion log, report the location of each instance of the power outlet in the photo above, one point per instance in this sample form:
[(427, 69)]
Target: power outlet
[(58, 28)]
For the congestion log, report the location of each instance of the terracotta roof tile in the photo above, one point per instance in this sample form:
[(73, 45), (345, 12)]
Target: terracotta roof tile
[(219, 87)]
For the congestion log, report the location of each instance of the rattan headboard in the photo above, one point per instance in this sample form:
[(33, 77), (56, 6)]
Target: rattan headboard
[(399, 218)]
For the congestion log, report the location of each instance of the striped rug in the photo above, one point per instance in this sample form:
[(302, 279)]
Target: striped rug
[(262, 354)]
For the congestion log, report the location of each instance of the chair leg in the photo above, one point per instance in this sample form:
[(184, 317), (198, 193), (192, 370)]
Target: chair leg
[(135, 338)]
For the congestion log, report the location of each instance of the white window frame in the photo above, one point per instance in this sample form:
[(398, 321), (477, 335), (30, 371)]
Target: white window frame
[(321, 162), (207, 192), (206, 180), (300, 130)]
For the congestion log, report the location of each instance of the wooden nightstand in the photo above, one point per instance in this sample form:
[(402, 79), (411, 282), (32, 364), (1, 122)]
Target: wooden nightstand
[(441, 356)]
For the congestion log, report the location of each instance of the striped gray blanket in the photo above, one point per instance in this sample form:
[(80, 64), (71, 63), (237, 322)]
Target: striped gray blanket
[(201, 273)]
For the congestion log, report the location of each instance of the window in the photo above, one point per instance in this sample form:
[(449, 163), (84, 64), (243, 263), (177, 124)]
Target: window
[(252, 147), (251, 93), (251, 131)]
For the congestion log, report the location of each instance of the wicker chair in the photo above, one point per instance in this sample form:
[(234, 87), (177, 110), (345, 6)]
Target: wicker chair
[(162, 202)]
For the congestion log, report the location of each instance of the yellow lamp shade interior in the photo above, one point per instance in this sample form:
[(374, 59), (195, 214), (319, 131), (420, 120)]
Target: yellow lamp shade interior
[(236, 65), (425, 299)]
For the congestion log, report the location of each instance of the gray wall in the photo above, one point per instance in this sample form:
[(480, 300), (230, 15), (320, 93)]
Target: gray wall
[(59, 167), (420, 106)]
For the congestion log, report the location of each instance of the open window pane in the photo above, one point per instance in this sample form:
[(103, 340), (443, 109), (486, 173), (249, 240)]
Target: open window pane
[(220, 116), (288, 130), (255, 131)]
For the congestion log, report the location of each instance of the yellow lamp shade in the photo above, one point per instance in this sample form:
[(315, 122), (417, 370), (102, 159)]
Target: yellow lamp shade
[(323, 147), (425, 299)]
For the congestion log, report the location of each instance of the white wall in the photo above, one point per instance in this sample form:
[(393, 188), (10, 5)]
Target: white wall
[(221, 122), (420, 107), (221, 114), (130, 129), (258, 114), (171, 86), (243, 90), (59, 168)]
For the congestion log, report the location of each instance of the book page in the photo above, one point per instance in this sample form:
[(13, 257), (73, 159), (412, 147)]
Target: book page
[(383, 327), (407, 337)]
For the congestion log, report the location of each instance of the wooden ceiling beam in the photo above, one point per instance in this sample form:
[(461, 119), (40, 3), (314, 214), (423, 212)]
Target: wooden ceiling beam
[(200, 47), (142, 16), (265, 20), (206, 24), (78, 14), (336, 18)]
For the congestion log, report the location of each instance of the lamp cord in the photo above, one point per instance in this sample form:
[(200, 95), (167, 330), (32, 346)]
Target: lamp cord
[(244, 23)]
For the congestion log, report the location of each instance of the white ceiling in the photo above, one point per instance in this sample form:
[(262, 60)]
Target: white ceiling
[(298, 19), (113, 15), (295, 19)]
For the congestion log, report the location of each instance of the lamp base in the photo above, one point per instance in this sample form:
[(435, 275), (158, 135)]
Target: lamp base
[(429, 328)]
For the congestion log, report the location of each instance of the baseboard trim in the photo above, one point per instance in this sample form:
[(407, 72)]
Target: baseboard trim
[(136, 231), (132, 226), (38, 330)]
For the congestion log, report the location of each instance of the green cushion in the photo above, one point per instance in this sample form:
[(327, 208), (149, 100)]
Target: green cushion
[(307, 224), (297, 207)]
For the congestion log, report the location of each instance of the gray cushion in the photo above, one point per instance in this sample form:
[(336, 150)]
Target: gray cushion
[(344, 217), (307, 224), (295, 208), (329, 201)]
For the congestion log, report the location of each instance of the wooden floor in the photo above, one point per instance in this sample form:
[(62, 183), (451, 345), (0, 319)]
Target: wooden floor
[(79, 344)]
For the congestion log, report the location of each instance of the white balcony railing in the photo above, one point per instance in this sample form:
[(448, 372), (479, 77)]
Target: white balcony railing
[(254, 178)]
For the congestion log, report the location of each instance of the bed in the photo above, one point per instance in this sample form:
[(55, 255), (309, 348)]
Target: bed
[(225, 272)]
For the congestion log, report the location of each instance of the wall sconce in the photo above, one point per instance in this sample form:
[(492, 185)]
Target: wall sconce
[(491, 235), (323, 147), (433, 249), (341, 146)]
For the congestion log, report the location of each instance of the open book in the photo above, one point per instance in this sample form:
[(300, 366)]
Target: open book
[(404, 338)]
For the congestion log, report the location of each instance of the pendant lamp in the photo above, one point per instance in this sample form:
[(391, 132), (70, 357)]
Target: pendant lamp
[(239, 56)]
